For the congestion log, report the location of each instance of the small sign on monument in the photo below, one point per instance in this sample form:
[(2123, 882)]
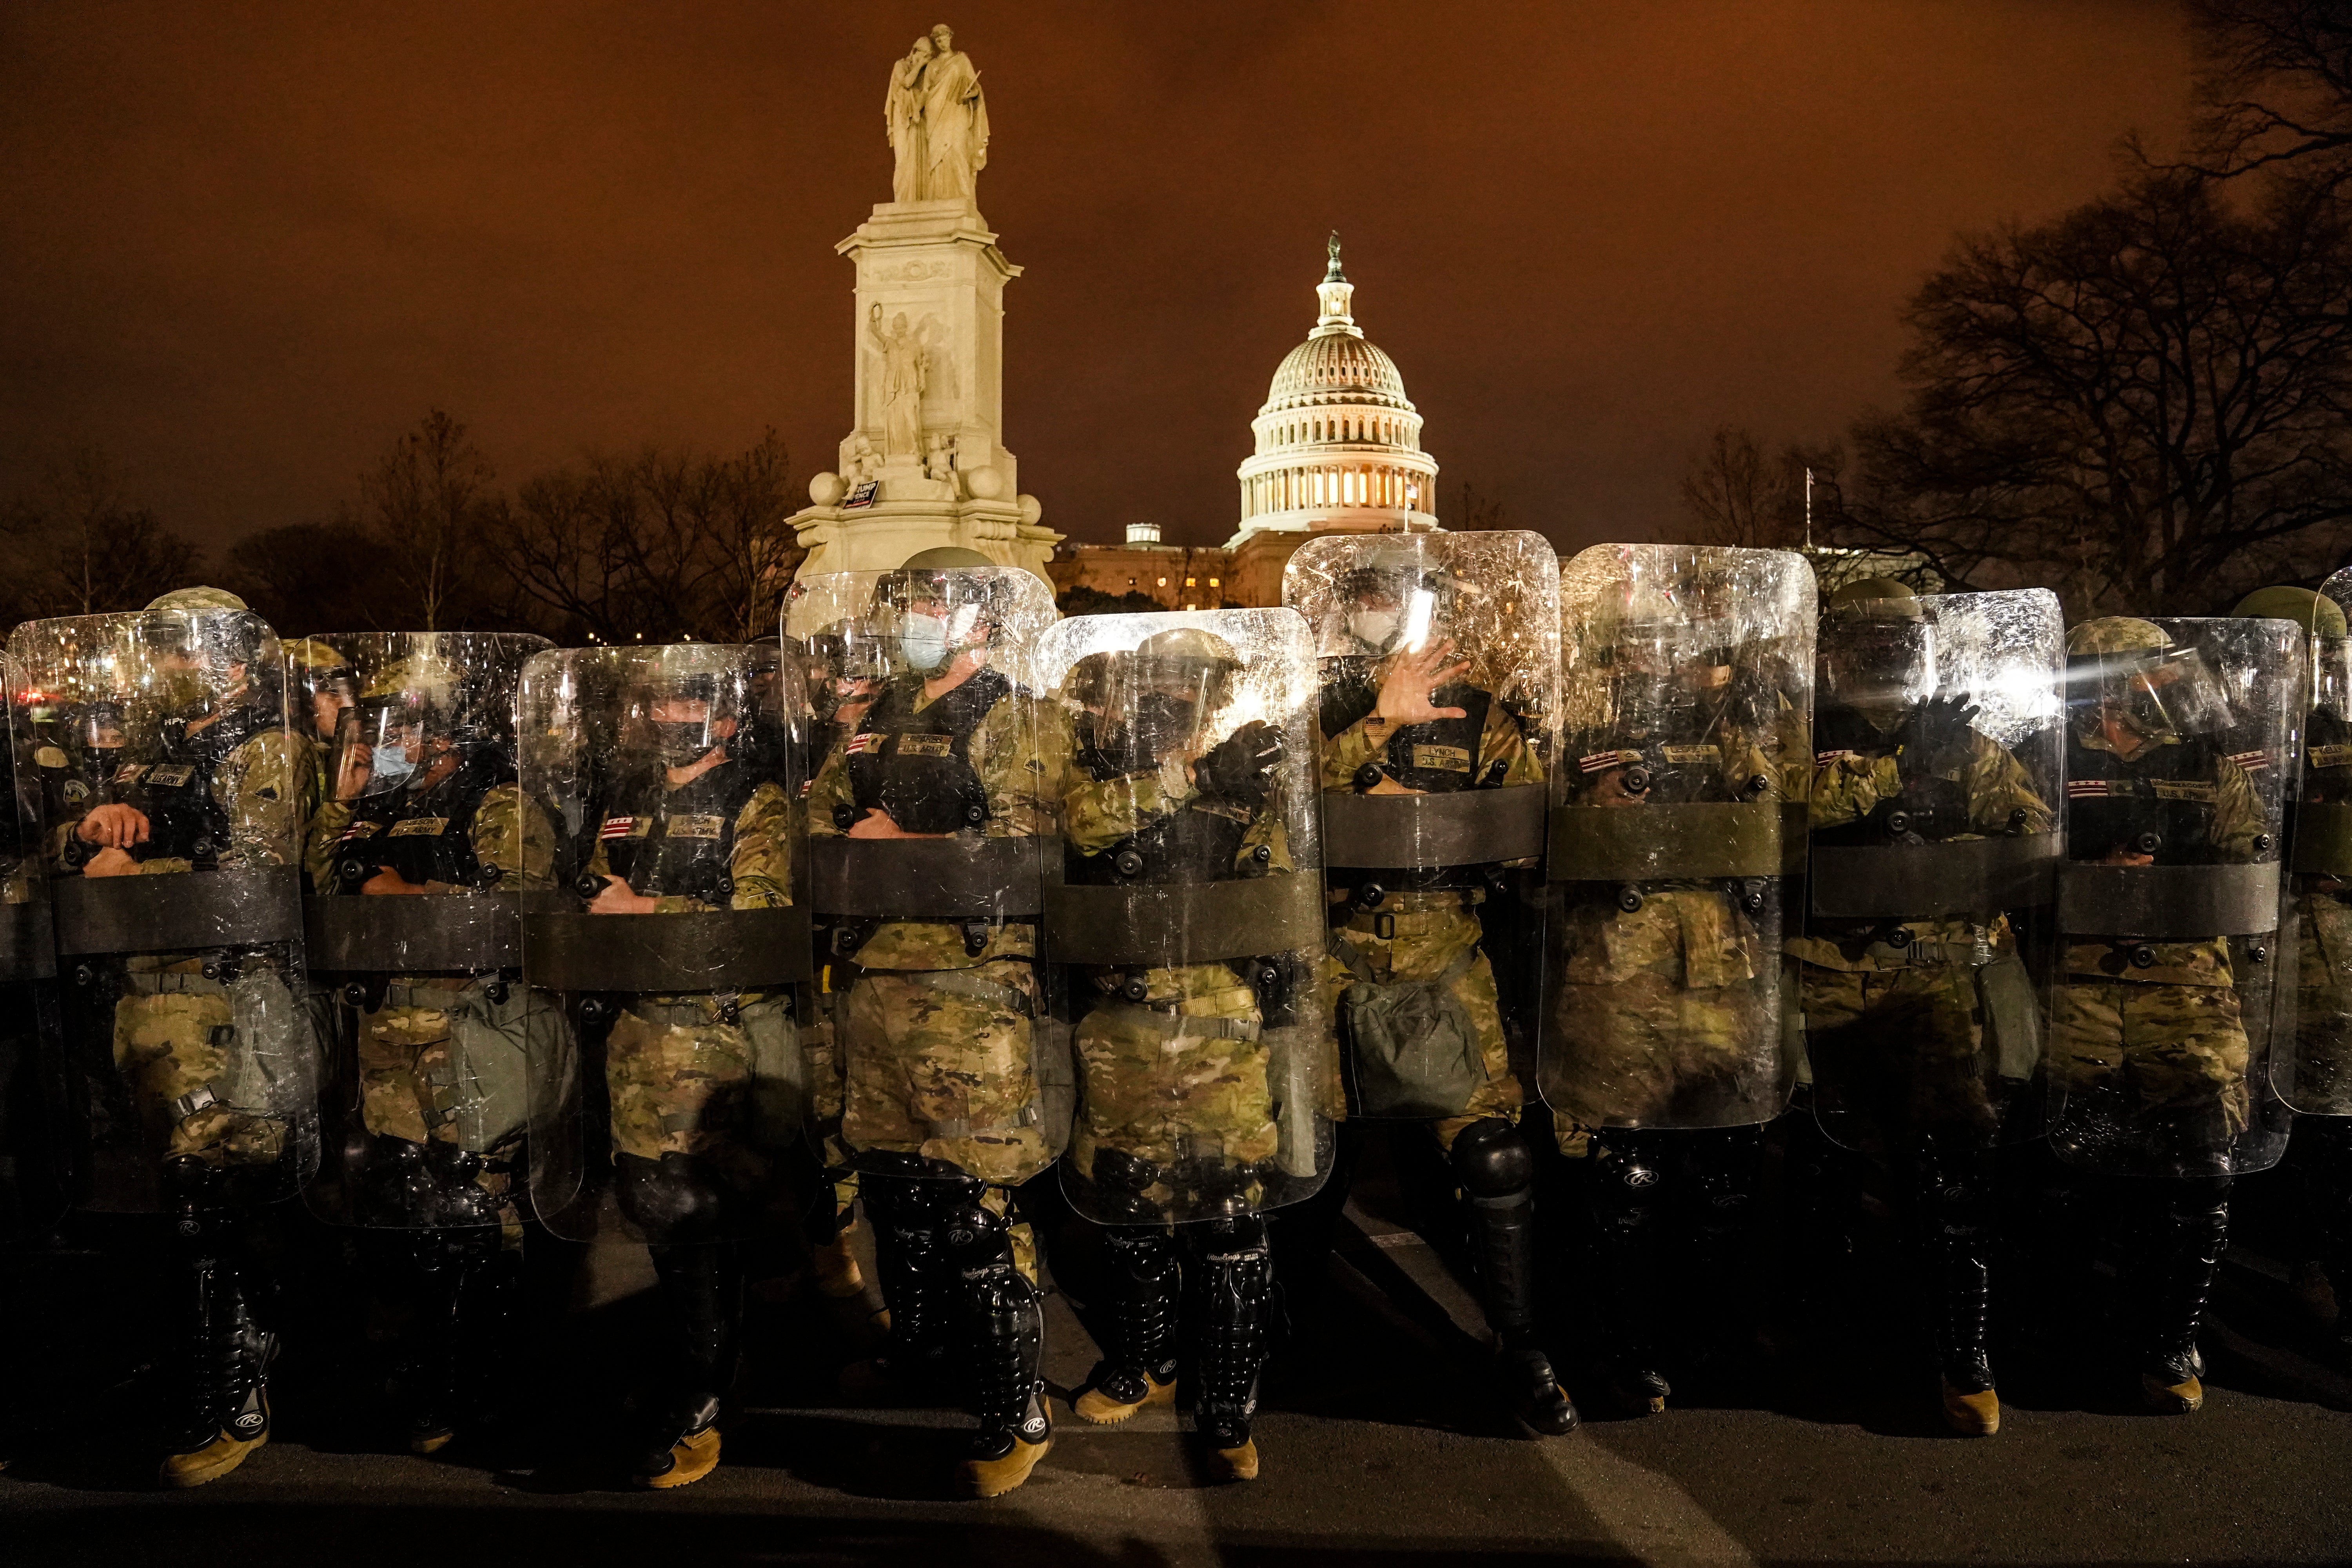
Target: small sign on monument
[(862, 493)]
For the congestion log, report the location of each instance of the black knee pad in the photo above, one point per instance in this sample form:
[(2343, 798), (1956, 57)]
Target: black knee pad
[(977, 1238), (667, 1199), (1629, 1182), (1140, 1253), (1492, 1161), (1235, 1236)]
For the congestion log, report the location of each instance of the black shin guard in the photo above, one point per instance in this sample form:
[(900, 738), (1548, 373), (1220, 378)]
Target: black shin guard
[(1949, 1202), (2327, 1205), (911, 1256), (1235, 1272), (2185, 1225), (1005, 1323), (1140, 1312), (702, 1288), (223, 1354), (1497, 1174), (1629, 1186)]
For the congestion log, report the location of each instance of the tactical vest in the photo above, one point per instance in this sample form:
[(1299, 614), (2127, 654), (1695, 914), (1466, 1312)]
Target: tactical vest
[(1675, 770), (915, 766), (2160, 804), (665, 842), (1196, 843), (1932, 809), (178, 795), (2326, 758), (424, 835)]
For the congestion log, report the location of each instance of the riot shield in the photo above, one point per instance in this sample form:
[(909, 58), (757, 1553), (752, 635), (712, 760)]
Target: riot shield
[(1187, 925), (931, 821), (1677, 830), (32, 1195), (190, 1059), (664, 973), (1934, 846), (2179, 739), (418, 858), (1438, 674), (2311, 1054)]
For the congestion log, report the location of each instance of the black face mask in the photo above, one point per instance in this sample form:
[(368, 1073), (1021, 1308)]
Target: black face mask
[(679, 743), (1162, 724)]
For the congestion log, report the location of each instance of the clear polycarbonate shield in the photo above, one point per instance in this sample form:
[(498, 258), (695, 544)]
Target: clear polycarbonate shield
[(32, 1192), (1935, 818), (2169, 913), (1438, 712), (1678, 832), (933, 820), (1187, 927), (2311, 1044), (664, 973), (189, 1054), (419, 856)]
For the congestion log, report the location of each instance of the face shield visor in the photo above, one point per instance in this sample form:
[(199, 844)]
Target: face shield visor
[(684, 725), (1389, 614), (1881, 664), (2331, 677), (1176, 699), (2157, 694), (383, 743)]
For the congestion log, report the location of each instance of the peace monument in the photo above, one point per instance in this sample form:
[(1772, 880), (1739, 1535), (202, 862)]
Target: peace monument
[(924, 463)]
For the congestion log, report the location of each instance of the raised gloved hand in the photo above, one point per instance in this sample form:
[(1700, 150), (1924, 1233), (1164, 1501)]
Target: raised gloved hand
[(1937, 735), (1242, 764)]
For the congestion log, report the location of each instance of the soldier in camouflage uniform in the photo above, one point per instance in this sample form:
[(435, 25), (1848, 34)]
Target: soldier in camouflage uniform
[(1176, 1108), (1662, 1048), (935, 1019), (211, 1050), (1903, 1053), (2319, 1085), (426, 803), (703, 1089), (2147, 1043), (1417, 721)]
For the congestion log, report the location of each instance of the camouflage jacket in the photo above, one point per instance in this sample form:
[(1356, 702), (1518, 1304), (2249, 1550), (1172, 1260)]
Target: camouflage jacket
[(1850, 782), (510, 832)]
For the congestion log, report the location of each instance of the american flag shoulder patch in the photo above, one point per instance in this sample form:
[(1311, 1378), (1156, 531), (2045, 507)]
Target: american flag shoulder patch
[(2252, 762)]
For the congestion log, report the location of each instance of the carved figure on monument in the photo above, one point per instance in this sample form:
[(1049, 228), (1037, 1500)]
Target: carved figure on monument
[(938, 122), (904, 369), (864, 462), (902, 113), (939, 463)]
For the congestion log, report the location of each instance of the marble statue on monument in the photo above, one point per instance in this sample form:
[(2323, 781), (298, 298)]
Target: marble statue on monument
[(929, 347)]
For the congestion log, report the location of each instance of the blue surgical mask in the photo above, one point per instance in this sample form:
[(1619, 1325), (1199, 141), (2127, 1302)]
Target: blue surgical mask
[(390, 765), (924, 641)]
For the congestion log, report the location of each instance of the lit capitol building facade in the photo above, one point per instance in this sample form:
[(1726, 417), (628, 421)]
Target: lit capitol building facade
[(1337, 450)]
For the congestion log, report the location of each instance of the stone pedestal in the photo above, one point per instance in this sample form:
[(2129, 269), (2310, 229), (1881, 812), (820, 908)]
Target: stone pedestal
[(936, 266)]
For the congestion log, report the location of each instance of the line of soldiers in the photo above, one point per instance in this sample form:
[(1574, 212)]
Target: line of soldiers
[(1155, 921)]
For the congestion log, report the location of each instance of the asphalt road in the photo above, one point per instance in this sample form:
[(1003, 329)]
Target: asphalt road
[(1381, 1446)]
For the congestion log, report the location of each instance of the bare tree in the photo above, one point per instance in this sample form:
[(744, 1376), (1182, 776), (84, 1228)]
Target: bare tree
[(426, 503), (1474, 508), (2142, 403), (2274, 87), (83, 547)]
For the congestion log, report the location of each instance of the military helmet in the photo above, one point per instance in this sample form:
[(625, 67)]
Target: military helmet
[(197, 598), (1874, 599), (1189, 662), (2127, 669), (2308, 608), (2114, 634), (316, 659)]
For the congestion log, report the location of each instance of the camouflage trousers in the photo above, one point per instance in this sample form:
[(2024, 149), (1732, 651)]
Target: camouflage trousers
[(1645, 1051), (1180, 1078), (212, 1070), (2321, 1081), (1896, 1050), (941, 1064), (2139, 1056), (440, 1062), (1419, 937), (717, 1077)]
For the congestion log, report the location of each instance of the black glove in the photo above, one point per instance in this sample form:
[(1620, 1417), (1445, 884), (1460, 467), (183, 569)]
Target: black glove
[(1242, 764), (1938, 732)]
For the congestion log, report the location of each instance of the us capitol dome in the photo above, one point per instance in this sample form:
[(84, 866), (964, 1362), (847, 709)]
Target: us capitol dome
[(1337, 442)]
